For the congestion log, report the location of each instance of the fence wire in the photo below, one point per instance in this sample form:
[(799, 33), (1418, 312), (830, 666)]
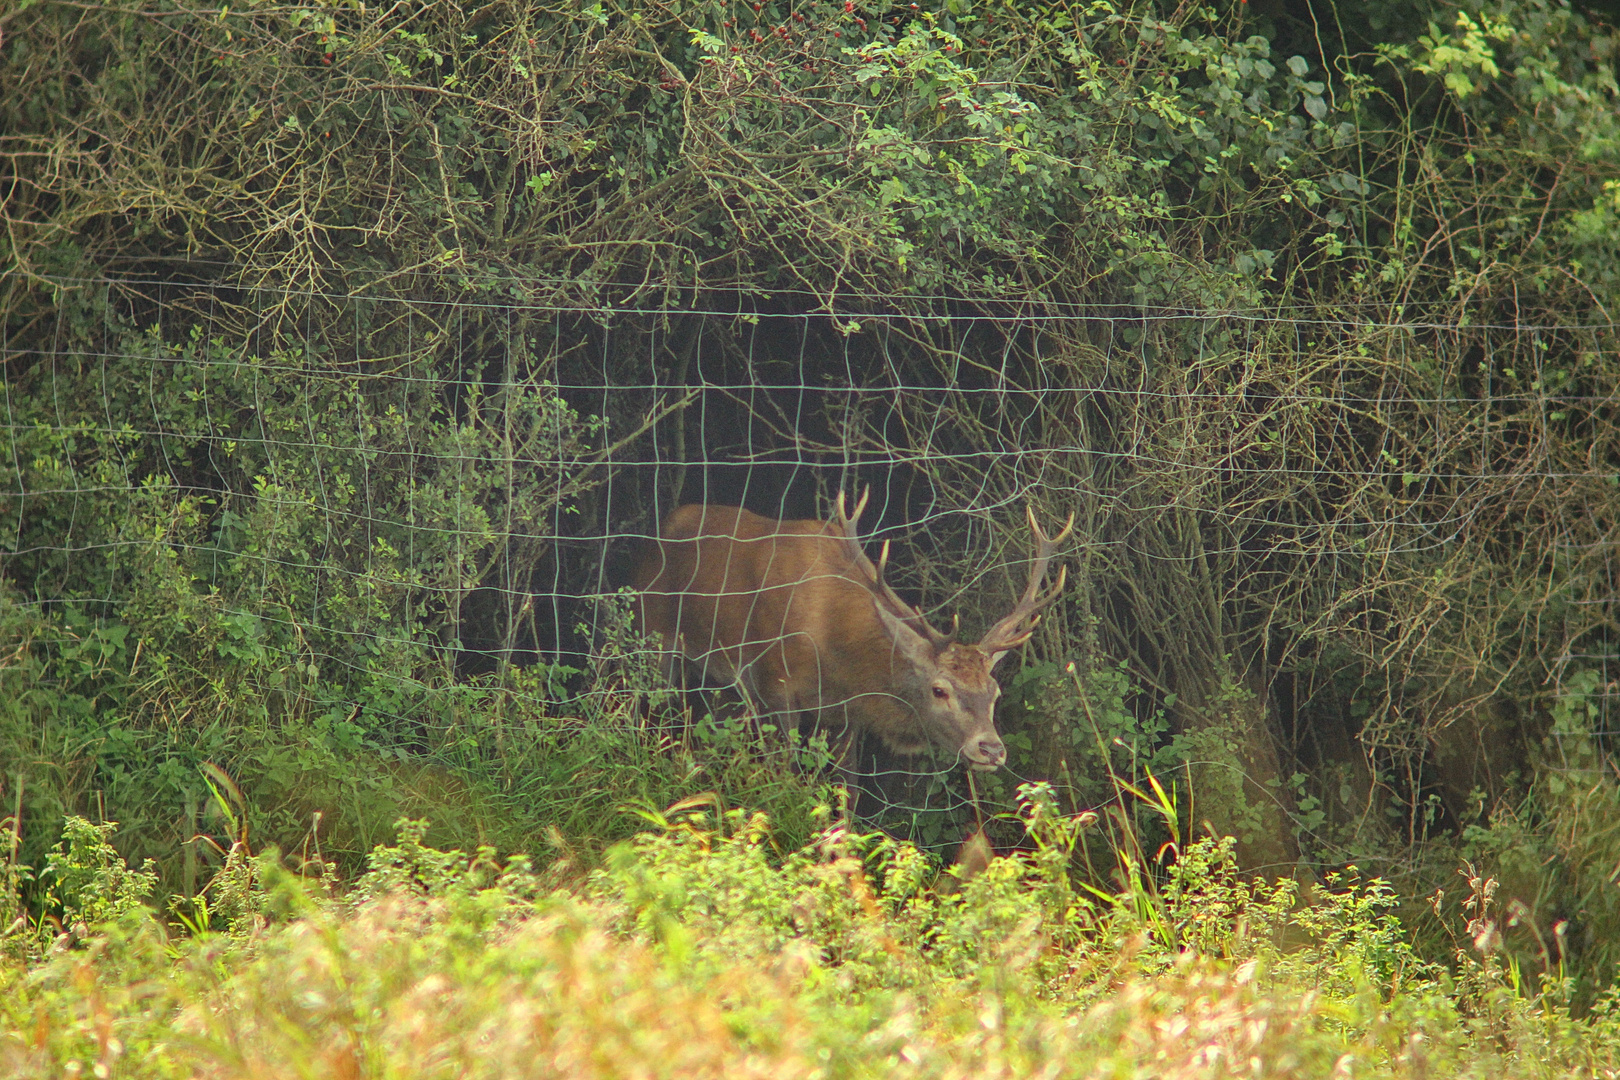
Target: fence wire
[(339, 478)]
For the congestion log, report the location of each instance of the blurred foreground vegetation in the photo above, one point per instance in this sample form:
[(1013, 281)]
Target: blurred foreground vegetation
[(702, 950)]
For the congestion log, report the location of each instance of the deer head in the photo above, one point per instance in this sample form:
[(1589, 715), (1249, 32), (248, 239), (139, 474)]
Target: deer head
[(946, 685)]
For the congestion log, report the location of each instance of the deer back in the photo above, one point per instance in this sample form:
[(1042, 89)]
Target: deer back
[(724, 586)]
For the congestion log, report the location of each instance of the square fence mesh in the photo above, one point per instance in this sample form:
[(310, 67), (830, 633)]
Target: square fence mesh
[(1368, 526)]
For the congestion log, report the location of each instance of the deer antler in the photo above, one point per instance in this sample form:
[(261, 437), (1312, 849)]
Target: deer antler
[(1017, 627), (852, 547)]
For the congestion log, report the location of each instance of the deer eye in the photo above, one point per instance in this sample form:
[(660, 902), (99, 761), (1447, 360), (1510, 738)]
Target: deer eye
[(941, 692)]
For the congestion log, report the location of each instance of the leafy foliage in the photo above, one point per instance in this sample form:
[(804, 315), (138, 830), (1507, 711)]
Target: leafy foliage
[(1314, 333), (690, 953)]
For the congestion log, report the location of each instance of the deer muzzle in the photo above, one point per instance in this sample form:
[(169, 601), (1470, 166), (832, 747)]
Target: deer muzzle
[(985, 752)]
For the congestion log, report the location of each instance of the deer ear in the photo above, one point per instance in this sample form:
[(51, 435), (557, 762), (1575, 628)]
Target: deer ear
[(995, 658)]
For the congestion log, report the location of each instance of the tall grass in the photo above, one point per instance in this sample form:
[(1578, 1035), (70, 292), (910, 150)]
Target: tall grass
[(708, 948)]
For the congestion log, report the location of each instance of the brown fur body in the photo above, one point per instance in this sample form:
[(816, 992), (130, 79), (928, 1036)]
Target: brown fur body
[(796, 616)]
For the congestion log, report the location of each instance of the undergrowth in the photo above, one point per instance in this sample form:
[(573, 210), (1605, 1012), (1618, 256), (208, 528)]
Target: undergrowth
[(191, 756), (707, 947)]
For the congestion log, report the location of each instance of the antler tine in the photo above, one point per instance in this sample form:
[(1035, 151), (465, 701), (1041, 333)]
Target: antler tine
[(1017, 627), (851, 537), (848, 522), (875, 574), (1047, 542)]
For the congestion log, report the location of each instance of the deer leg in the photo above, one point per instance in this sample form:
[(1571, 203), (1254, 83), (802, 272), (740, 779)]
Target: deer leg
[(846, 751), (780, 703), (846, 758), (777, 705), (668, 656), (788, 719), (677, 675), (757, 708)]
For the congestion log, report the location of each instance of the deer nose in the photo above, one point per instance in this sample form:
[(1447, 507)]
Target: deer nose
[(985, 752)]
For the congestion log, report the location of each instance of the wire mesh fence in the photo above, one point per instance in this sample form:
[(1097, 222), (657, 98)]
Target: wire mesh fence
[(1360, 529)]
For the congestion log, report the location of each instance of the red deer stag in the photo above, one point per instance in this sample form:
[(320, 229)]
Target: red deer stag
[(797, 616)]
